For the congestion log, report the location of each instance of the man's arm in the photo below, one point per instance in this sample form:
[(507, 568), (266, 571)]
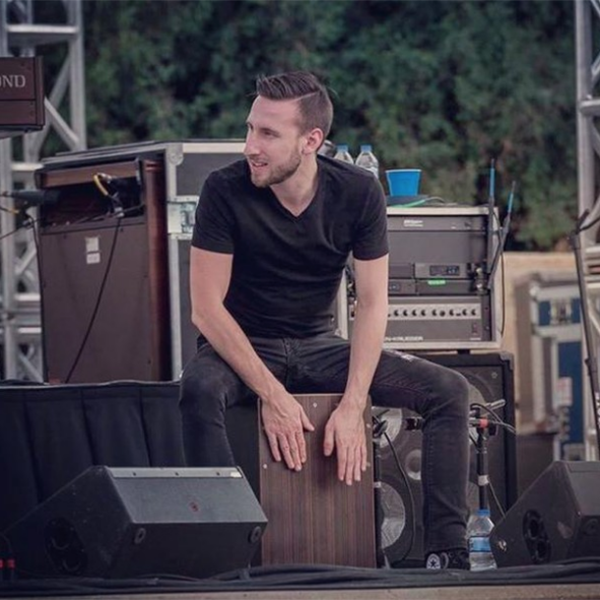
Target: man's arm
[(345, 429), (284, 419)]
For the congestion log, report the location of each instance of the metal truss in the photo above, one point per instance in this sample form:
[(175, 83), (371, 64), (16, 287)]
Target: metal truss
[(587, 27), (20, 35)]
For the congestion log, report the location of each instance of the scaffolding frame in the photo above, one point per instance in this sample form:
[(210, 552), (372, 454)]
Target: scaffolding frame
[(587, 21), (20, 35)]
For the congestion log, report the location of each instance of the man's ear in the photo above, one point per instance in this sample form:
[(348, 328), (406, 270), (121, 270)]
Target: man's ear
[(314, 139)]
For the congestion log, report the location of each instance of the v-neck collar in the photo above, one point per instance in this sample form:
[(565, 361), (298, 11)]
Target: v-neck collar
[(309, 207)]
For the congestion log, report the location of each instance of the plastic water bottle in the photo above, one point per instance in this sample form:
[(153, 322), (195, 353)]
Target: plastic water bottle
[(479, 527), (343, 154), (367, 160)]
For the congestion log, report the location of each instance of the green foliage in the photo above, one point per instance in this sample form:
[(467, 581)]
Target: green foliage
[(444, 86)]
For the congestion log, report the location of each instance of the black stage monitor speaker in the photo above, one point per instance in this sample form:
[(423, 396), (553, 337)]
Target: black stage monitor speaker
[(121, 522), (556, 518), (399, 496)]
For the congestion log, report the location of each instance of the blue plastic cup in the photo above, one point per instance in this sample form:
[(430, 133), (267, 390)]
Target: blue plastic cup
[(403, 182)]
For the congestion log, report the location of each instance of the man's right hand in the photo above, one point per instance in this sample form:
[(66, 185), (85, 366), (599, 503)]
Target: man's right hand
[(284, 422)]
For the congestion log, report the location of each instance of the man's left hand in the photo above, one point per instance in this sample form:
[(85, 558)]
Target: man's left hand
[(345, 432)]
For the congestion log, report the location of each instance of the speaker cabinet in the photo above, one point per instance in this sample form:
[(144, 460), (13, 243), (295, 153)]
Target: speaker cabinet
[(313, 517), (398, 473), (130, 522), (556, 518), (105, 304), (114, 299)]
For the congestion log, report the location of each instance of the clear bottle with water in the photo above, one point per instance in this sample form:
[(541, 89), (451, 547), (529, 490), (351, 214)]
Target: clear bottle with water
[(479, 528), (343, 154), (367, 160)]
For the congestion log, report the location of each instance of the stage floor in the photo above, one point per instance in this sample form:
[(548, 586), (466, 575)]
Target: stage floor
[(533, 592), (569, 580)]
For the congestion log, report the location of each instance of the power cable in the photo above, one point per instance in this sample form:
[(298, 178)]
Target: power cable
[(98, 301)]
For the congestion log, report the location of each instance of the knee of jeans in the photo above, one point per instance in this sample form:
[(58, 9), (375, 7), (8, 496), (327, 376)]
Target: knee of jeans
[(200, 392), (454, 389), (461, 396)]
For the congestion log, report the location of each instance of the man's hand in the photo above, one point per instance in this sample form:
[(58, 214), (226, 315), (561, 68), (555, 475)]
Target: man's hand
[(345, 431), (284, 422)]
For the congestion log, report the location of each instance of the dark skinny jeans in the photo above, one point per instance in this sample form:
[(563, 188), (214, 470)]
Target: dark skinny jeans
[(320, 365)]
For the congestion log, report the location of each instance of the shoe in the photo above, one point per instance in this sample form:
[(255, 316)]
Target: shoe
[(457, 558)]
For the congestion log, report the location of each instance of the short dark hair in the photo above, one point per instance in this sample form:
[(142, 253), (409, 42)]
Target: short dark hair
[(316, 109)]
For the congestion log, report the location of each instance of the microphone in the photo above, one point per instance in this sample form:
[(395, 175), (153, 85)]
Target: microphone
[(29, 198), (109, 187), (496, 404), (104, 181), (475, 418), (107, 178)]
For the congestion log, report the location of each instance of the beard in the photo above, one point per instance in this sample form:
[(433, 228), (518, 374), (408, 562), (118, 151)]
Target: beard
[(278, 174)]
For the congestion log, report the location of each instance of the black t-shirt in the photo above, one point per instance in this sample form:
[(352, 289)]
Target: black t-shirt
[(287, 269)]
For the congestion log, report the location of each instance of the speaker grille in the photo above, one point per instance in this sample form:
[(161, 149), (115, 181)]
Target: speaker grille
[(400, 499), (398, 453)]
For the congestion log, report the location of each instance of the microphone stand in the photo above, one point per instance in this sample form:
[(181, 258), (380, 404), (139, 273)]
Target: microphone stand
[(484, 429), (591, 361)]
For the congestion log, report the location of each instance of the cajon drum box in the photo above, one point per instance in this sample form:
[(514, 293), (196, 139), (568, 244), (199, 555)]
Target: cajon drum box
[(313, 518)]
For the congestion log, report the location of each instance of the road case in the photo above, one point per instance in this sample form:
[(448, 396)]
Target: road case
[(114, 272), (549, 335)]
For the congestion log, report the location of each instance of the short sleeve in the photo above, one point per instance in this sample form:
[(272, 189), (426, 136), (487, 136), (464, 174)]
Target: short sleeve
[(370, 235), (214, 226)]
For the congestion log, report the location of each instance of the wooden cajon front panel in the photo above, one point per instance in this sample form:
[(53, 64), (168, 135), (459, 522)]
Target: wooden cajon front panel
[(313, 518)]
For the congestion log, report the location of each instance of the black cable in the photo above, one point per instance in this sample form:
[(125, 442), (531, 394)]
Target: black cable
[(21, 210), (29, 222), (98, 300), (503, 296), (496, 499), (9, 233), (497, 418), (502, 233), (36, 239), (413, 529), (580, 570), (7, 544), (92, 219), (39, 261), (12, 211), (498, 234), (107, 215)]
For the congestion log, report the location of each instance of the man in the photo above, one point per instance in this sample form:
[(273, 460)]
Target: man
[(271, 239)]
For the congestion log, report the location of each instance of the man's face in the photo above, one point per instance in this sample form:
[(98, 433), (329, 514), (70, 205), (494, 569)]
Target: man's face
[(273, 142)]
